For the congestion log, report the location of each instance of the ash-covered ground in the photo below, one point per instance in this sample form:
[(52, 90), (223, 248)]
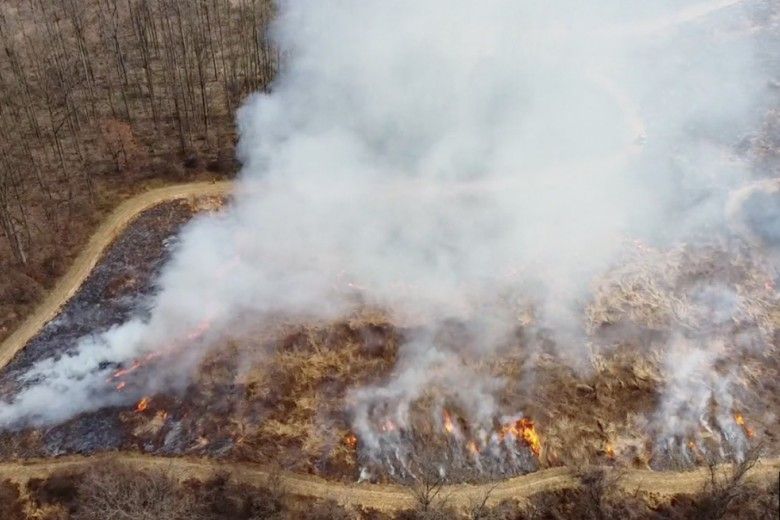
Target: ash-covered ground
[(118, 287)]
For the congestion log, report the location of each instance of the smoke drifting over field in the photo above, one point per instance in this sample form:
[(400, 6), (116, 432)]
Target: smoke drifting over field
[(450, 161)]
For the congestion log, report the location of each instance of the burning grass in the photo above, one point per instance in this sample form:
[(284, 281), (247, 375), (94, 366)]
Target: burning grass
[(285, 392), (289, 407), (283, 397), (606, 412), (295, 397)]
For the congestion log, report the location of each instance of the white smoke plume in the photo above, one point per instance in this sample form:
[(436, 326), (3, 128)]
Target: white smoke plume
[(445, 160)]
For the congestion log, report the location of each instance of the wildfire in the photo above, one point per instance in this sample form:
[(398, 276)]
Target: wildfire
[(351, 440), (610, 451), (472, 447), (523, 429), (387, 426), (143, 404), (138, 363), (449, 426), (195, 334), (124, 371), (199, 330), (740, 420)]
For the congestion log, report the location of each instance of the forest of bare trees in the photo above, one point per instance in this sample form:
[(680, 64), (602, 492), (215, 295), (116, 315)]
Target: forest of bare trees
[(100, 98)]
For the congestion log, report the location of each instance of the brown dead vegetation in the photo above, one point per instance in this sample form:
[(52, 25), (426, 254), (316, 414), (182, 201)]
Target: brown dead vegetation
[(278, 395), (293, 384), (599, 414), (283, 389)]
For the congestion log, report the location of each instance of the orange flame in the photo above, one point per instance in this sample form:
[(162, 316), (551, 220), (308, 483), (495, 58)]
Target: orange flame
[(740, 420), (351, 440), (138, 363), (472, 447), (143, 404), (449, 427), (124, 371), (523, 429), (610, 451), (195, 334)]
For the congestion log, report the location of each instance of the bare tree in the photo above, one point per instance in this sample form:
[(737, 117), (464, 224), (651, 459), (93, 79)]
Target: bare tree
[(167, 74), (725, 485), (114, 491), (478, 506), (428, 485), (118, 141)]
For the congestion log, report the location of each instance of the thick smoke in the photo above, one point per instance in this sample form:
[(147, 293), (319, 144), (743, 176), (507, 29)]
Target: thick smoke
[(449, 161)]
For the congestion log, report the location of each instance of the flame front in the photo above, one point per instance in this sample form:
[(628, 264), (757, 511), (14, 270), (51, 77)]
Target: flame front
[(143, 404), (198, 332), (530, 436), (472, 447), (740, 420), (610, 451), (449, 427), (351, 440), (201, 329), (523, 429)]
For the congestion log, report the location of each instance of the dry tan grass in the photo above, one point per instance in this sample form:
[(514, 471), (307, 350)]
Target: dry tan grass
[(653, 288), (600, 412), (294, 411)]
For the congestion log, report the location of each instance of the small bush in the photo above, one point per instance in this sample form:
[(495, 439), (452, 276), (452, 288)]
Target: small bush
[(115, 491), (11, 504), (59, 489)]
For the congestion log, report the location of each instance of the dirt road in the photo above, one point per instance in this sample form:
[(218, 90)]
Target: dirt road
[(379, 496), (67, 286)]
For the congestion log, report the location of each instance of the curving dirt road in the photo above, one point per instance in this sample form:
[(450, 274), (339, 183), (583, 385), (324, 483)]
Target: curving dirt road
[(383, 497), (116, 222)]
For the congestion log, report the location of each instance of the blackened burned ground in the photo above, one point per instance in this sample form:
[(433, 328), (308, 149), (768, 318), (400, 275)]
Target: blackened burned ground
[(118, 287)]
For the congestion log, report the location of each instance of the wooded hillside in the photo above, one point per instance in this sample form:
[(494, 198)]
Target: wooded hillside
[(101, 98)]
